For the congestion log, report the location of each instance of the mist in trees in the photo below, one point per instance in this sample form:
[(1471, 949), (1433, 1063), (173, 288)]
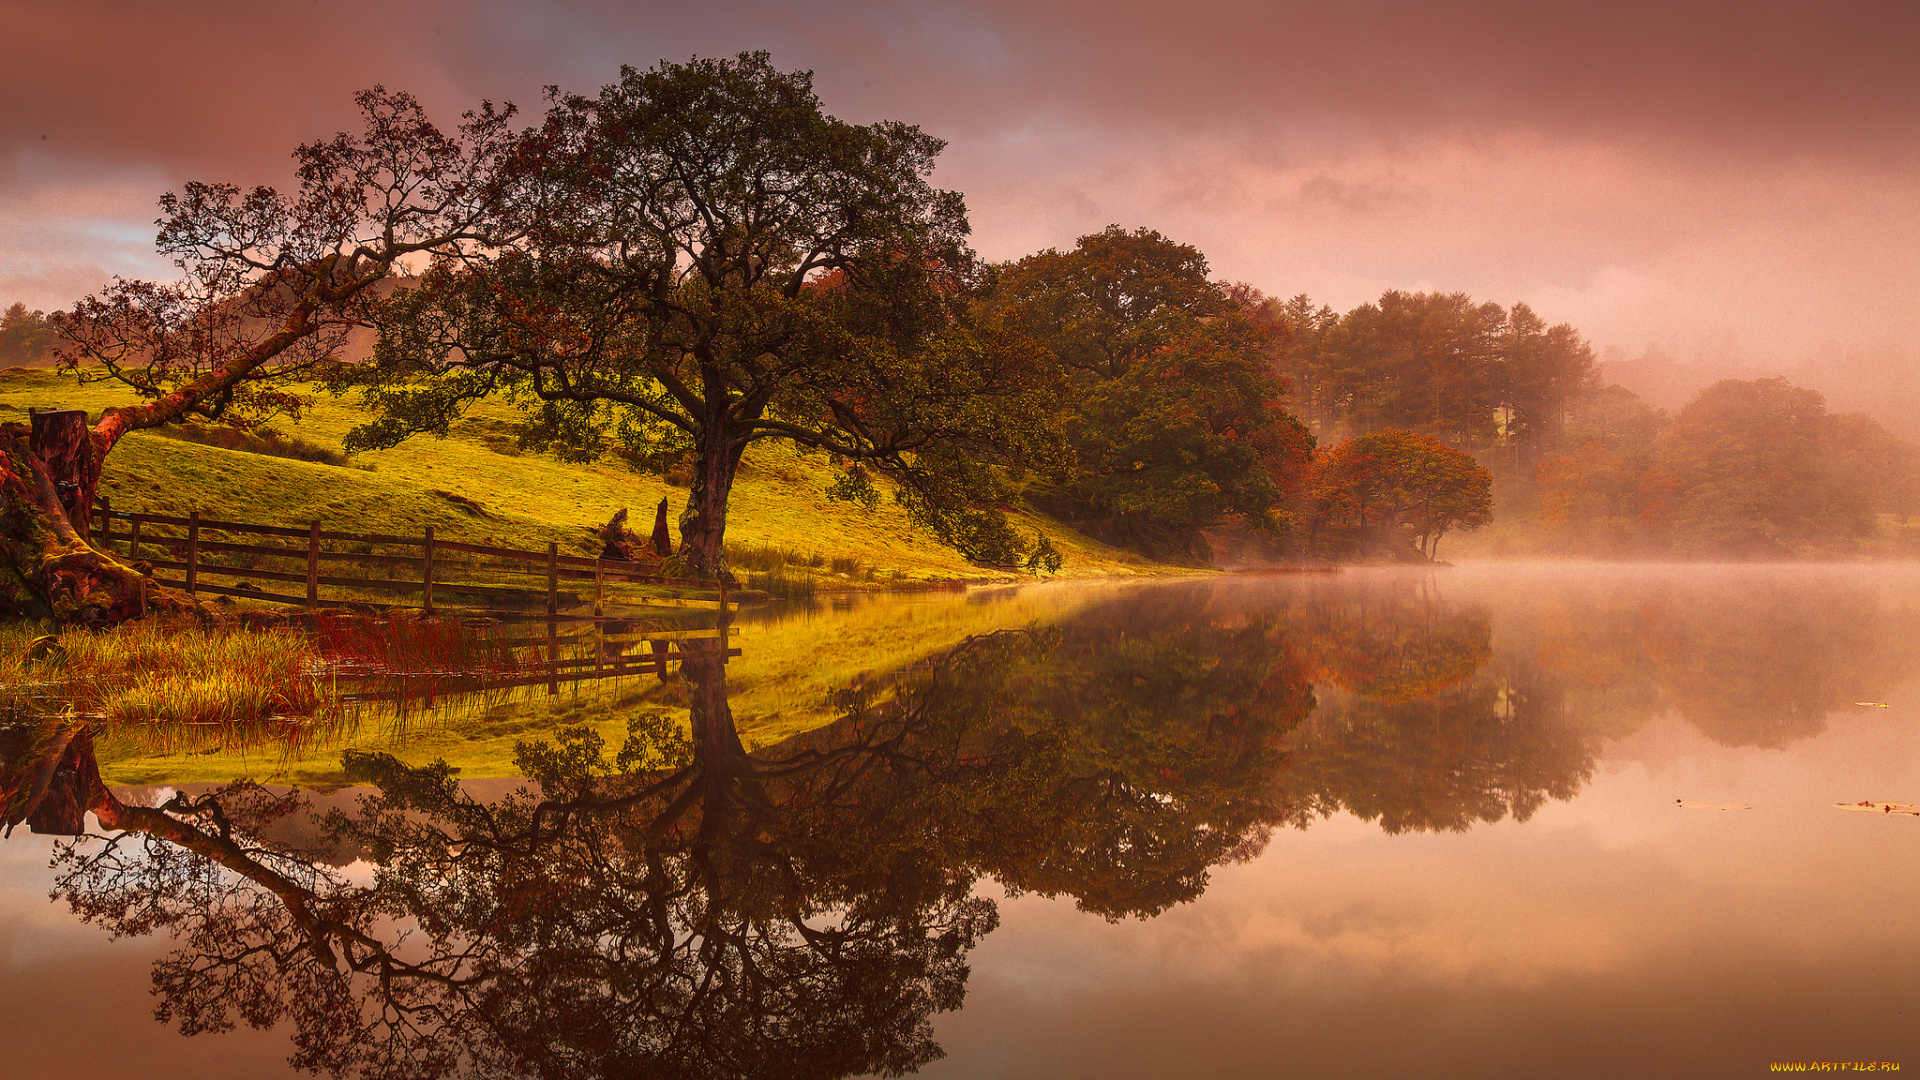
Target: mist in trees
[(1374, 493), (1755, 468), (1482, 379), (27, 337), (1408, 400), (1748, 468)]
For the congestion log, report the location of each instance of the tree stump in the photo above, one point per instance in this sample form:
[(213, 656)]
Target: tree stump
[(662, 538), (63, 443)]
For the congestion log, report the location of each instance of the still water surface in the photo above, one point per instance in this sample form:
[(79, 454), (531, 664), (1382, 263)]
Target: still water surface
[(1489, 821)]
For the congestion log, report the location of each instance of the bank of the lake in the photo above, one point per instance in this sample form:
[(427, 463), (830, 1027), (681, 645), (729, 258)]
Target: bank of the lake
[(476, 486)]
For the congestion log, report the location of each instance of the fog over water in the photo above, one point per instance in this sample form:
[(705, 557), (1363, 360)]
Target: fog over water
[(1494, 820)]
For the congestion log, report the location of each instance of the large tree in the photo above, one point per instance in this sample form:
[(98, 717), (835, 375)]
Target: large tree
[(709, 260), (1756, 471), (1177, 422), (1398, 486), (271, 284)]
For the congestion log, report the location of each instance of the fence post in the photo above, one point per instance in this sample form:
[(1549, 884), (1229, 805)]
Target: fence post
[(313, 566), (553, 577), (553, 656), (193, 550), (597, 610), (133, 544), (428, 559), (106, 524)]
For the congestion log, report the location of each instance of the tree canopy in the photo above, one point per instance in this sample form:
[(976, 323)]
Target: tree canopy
[(1397, 485), (1471, 374), (270, 284), (702, 258), (1177, 422), (1117, 297)]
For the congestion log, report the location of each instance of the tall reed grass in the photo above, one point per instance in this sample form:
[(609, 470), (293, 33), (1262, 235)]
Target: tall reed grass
[(793, 574), (186, 686), (191, 688)]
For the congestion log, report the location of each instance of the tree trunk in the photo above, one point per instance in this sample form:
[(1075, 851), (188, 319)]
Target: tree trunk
[(703, 528), (732, 798), (49, 473), (63, 444), (42, 778)]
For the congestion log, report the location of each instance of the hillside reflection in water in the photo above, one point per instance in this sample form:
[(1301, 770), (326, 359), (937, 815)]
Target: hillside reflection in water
[(681, 906)]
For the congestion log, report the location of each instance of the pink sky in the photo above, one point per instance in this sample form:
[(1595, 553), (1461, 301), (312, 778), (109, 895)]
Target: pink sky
[(1679, 173)]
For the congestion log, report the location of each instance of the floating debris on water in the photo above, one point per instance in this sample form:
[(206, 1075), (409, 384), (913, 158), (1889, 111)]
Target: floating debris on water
[(1868, 806), (1873, 704)]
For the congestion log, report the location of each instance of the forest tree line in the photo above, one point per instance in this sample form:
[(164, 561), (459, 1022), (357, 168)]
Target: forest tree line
[(27, 337), (1754, 467), (698, 258), (1201, 406), (1181, 423), (1192, 408)]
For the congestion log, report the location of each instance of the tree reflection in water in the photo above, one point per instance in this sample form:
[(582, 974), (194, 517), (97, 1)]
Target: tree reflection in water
[(1419, 728), (680, 906)]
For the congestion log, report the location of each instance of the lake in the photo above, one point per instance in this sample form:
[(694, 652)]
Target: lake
[(1489, 820)]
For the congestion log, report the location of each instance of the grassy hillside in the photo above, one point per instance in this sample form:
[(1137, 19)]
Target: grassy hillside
[(474, 486)]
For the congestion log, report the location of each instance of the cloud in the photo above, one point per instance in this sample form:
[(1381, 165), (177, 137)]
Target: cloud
[(1758, 161), (1760, 78)]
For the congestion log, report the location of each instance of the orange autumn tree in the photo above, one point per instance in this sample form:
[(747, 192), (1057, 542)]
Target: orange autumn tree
[(1384, 490)]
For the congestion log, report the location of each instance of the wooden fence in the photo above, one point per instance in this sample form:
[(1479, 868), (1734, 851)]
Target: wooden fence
[(594, 654), (426, 566)]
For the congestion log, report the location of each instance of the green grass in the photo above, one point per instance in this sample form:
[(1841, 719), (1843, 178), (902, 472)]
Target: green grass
[(264, 440), (473, 486), (778, 687), (178, 684), (783, 532)]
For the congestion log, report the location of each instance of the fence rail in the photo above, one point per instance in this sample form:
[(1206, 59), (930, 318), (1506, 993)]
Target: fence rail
[(432, 566)]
